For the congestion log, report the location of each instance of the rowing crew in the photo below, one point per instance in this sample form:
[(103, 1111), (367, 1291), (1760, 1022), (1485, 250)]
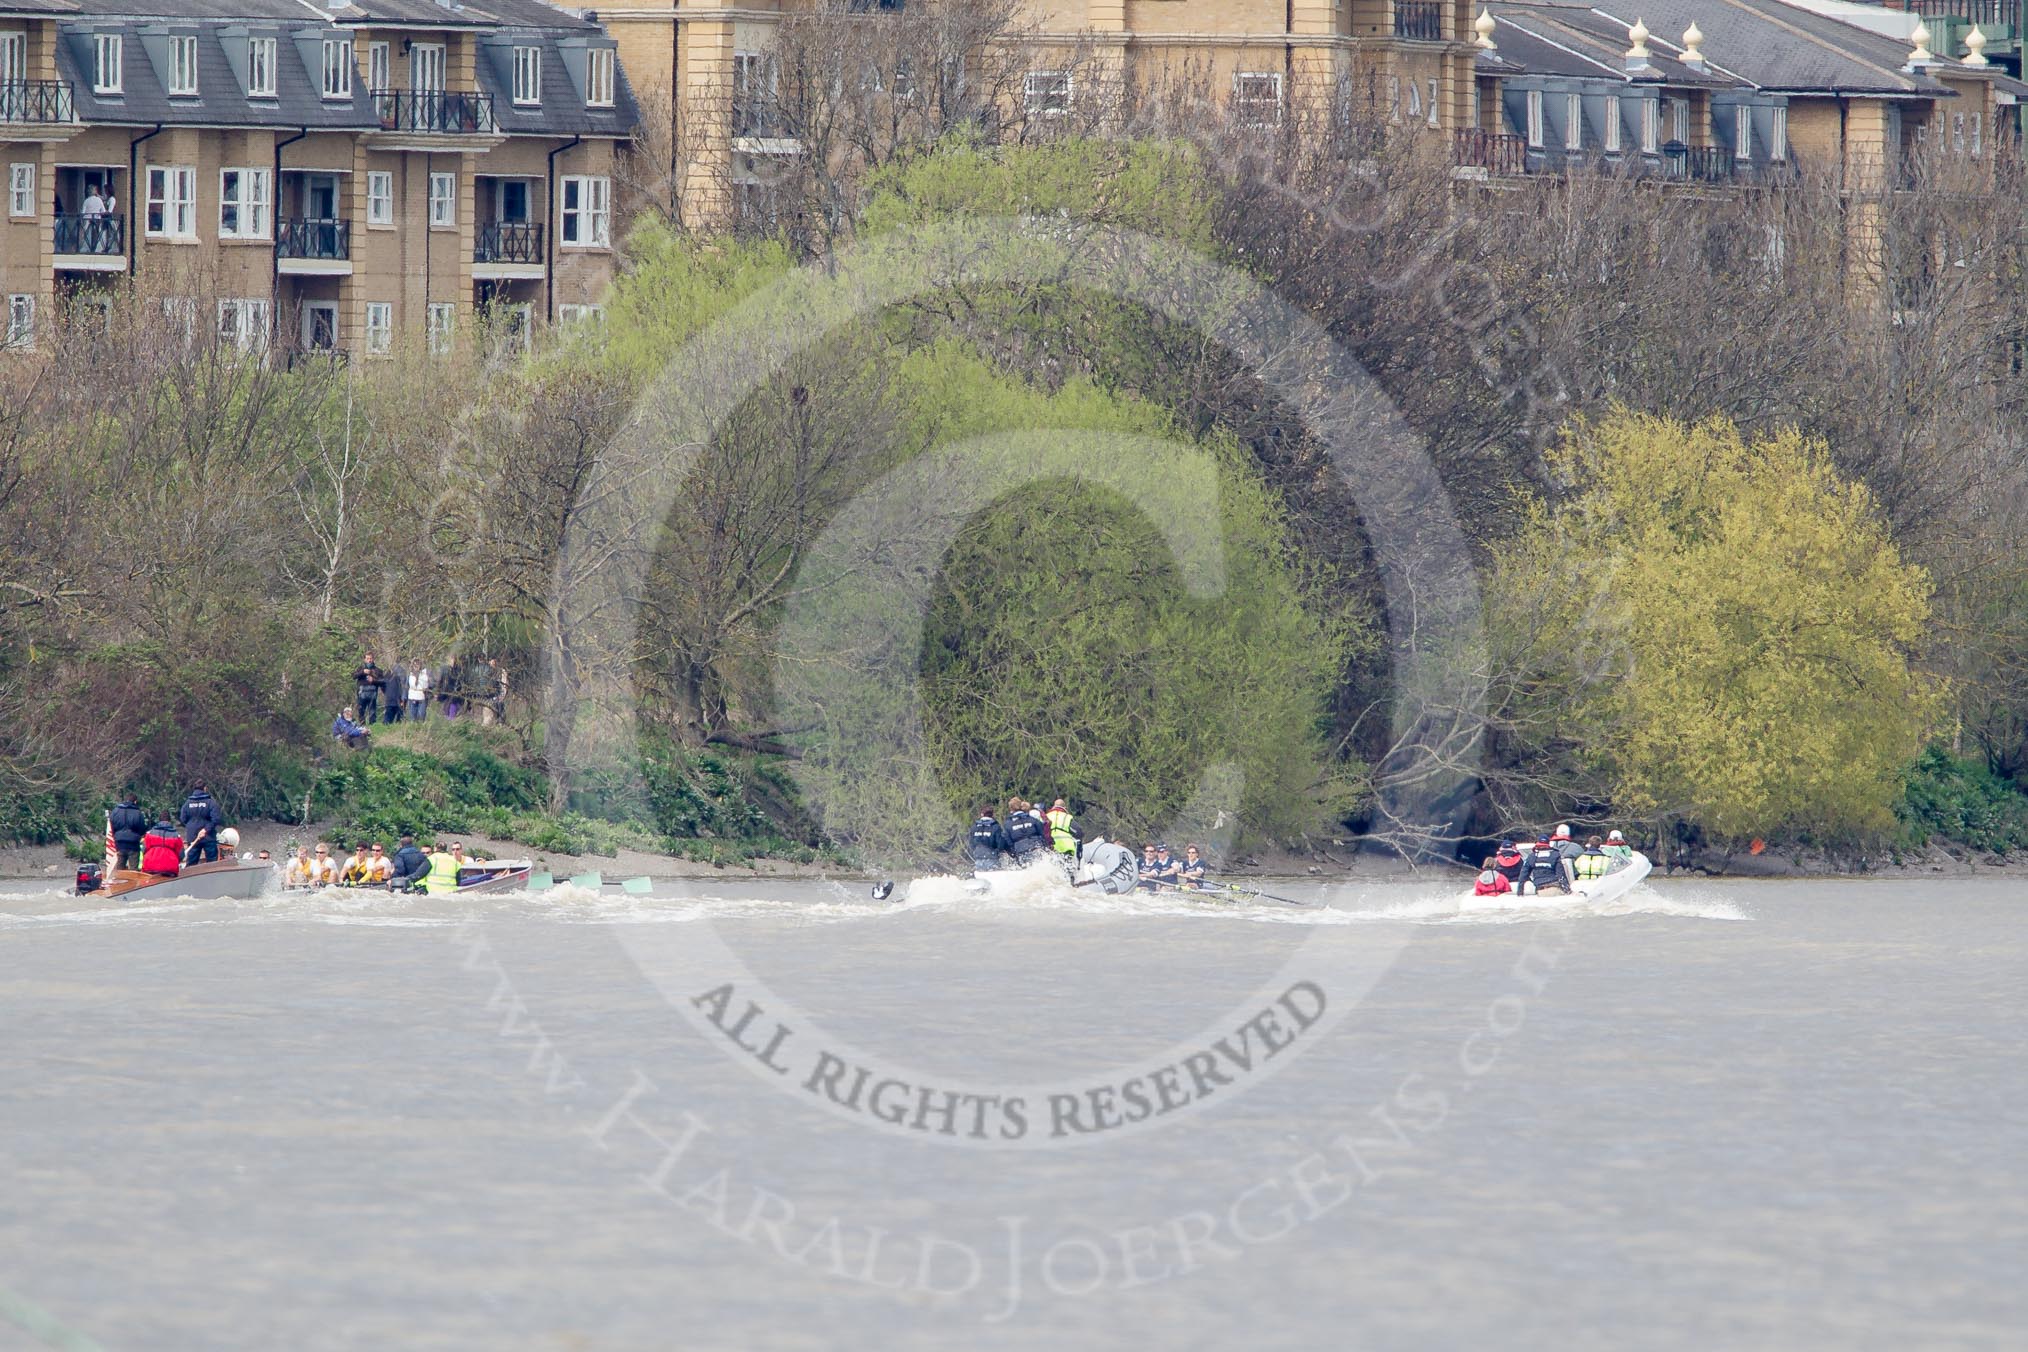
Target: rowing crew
[(1028, 830), (1554, 862)]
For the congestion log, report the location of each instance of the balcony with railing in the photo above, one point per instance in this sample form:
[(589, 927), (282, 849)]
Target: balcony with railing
[(1986, 14), (1491, 152), (313, 239), (34, 102), (1697, 164), (1419, 20), (512, 242), (92, 237), (434, 112)]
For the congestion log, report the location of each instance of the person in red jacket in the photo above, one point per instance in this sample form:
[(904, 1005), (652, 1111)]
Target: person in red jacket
[(162, 848), (1492, 883)]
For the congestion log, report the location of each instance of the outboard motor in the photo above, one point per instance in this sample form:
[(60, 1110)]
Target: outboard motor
[(90, 877)]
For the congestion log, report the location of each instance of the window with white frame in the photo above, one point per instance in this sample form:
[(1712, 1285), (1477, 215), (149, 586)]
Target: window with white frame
[(443, 201), (244, 197), (1778, 134), (260, 68), (1977, 133), (1742, 132), (1651, 126), (1046, 93), (599, 77), (1535, 118), (379, 328), (756, 84), (1573, 122), (1613, 129), (21, 321), (182, 67), (1434, 119), (572, 316), (21, 190), (442, 317), (243, 322), (1958, 132), (1394, 98), (379, 197), (338, 68), (1257, 98), (528, 75), (1679, 112), (172, 201), (108, 63), (13, 57), (587, 212), (379, 66)]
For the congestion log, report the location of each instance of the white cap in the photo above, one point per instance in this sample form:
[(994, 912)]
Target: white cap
[(1614, 835), (1562, 831)]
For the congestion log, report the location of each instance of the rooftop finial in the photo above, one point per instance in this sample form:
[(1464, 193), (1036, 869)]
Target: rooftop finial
[(1921, 56), (1637, 54), (1693, 45), (1975, 48), (1484, 26)]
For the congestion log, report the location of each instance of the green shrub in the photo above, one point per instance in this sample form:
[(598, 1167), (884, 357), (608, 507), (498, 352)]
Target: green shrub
[(1960, 799)]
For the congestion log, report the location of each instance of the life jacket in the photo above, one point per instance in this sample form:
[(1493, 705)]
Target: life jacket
[(1620, 851), (1545, 868), (358, 869), (1591, 864), (988, 839), (162, 853), (1061, 835), (1500, 885), (1507, 864), (1024, 833), (443, 874)]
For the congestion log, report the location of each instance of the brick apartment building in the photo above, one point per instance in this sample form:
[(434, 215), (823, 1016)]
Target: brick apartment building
[(311, 175)]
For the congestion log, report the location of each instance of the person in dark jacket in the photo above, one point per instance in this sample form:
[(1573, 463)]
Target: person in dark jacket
[(411, 866), (1509, 862), (1546, 869), (1025, 831), (201, 824), (370, 682), (162, 849), (129, 824), (397, 692), (988, 840)]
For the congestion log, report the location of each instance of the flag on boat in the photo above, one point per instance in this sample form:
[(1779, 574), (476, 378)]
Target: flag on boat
[(112, 854)]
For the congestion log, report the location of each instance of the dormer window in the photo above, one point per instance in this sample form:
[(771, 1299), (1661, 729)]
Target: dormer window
[(527, 76), (1573, 122), (260, 68), (107, 63), (598, 83), (183, 67), (337, 68), (1742, 132)]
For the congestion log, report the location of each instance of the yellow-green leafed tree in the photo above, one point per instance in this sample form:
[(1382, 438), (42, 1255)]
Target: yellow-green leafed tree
[(1711, 627)]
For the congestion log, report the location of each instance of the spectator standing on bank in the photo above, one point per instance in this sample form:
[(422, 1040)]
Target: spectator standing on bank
[(370, 682), (418, 692), (397, 691)]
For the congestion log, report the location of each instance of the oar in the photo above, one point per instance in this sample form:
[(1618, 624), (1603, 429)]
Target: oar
[(1242, 892), (637, 886)]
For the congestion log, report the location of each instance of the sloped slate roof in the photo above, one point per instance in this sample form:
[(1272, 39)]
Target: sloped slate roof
[(563, 109), (1784, 48), (220, 101), (1568, 39)]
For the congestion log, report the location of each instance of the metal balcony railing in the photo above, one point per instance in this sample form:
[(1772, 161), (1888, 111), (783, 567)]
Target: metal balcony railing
[(37, 101), (1421, 20), (434, 112), (1697, 164), (508, 242), (1987, 14), (101, 236), (1495, 152), (313, 237)]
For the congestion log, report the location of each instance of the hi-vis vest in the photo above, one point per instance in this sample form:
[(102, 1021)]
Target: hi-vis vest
[(1059, 830), (1590, 865), (443, 874)]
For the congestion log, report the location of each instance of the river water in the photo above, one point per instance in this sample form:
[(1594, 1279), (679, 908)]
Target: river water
[(778, 1116)]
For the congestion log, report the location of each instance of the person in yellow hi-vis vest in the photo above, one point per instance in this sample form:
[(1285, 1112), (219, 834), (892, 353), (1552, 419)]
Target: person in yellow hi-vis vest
[(443, 874), (1063, 832)]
